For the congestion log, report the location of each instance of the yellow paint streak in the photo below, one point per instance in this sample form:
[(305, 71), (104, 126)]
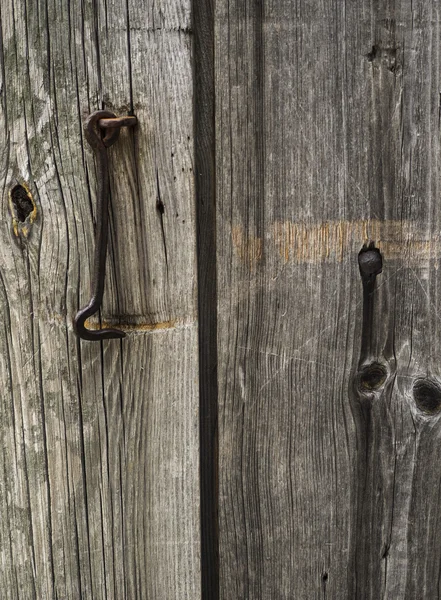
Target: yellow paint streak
[(133, 326), (248, 248), (332, 240)]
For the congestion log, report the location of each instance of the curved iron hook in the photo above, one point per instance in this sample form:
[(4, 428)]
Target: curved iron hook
[(95, 124)]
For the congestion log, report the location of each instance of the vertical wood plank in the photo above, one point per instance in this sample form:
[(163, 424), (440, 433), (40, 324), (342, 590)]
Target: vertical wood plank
[(327, 136), (99, 489)]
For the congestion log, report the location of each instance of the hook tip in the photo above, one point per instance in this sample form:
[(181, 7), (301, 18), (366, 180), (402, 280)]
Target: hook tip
[(94, 335)]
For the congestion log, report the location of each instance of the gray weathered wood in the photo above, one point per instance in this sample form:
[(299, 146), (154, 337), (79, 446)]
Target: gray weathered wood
[(327, 119), (327, 136), (99, 489)]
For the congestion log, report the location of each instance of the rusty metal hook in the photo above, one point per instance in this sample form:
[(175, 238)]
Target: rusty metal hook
[(99, 122)]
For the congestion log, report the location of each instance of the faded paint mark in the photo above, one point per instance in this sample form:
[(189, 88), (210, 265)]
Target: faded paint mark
[(247, 247), (332, 240), (139, 327)]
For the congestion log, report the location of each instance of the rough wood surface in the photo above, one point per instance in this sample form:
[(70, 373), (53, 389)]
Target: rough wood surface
[(99, 484), (327, 136)]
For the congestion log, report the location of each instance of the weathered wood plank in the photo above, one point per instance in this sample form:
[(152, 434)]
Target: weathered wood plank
[(99, 484), (327, 136)]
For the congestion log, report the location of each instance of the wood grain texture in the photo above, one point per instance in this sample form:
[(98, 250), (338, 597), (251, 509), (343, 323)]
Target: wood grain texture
[(99, 492), (327, 136)]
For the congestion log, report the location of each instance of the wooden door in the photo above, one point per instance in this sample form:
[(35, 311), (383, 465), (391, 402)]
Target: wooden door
[(266, 430)]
